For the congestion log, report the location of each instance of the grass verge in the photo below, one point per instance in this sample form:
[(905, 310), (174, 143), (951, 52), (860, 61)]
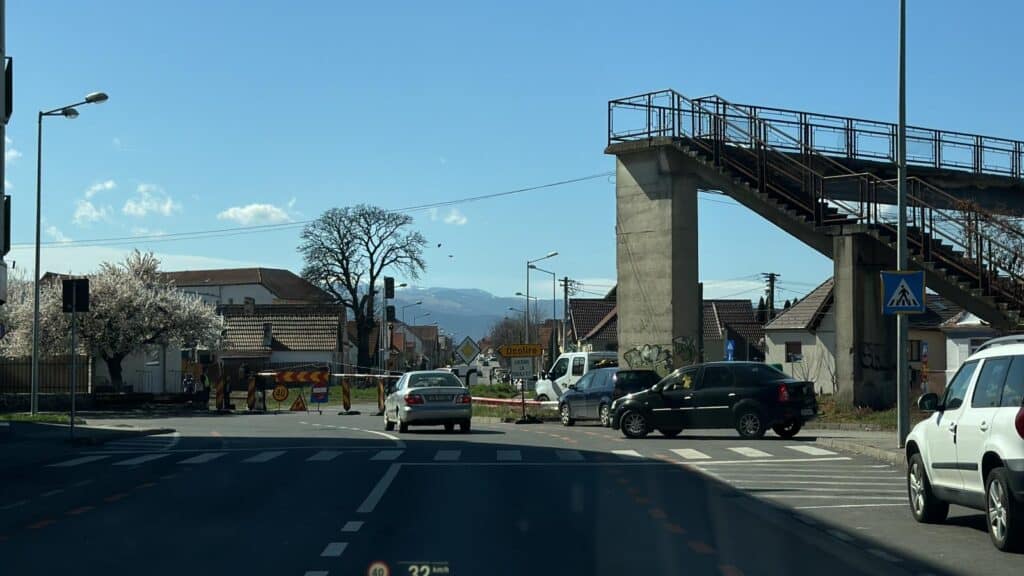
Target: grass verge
[(829, 412), (41, 417)]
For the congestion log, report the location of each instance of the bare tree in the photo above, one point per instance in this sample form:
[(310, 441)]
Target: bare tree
[(347, 250)]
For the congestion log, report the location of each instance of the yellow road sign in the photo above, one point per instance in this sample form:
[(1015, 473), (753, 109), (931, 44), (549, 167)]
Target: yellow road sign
[(280, 393), (521, 350)]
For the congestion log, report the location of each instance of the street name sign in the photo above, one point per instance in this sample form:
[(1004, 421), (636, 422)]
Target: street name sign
[(903, 292), (521, 350)]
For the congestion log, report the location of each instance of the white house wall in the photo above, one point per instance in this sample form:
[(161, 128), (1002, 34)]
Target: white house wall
[(143, 378), (231, 294), (818, 349)]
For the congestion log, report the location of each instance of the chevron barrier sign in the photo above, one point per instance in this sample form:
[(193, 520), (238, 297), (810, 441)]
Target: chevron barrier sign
[(302, 377)]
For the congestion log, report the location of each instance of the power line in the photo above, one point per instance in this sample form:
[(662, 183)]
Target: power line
[(239, 230)]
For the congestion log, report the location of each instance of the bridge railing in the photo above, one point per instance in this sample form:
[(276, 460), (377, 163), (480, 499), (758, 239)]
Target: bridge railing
[(663, 114)]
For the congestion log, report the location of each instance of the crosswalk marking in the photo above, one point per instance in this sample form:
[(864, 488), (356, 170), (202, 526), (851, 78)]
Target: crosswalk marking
[(202, 458), (627, 453), (569, 455), (352, 526), (334, 549), (750, 452), (447, 455), (324, 456), (387, 455), (140, 459), (812, 450), (509, 455), (77, 461), (690, 453), (264, 456)]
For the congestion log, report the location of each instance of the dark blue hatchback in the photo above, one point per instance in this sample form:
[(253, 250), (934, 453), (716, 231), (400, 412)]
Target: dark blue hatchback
[(591, 398)]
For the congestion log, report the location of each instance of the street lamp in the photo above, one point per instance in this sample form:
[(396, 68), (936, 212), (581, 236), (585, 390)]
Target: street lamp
[(536, 313), (416, 303), (70, 112), (554, 282), (415, 316)]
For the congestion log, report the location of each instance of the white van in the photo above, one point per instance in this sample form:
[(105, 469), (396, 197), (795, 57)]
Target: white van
[(568, 369)]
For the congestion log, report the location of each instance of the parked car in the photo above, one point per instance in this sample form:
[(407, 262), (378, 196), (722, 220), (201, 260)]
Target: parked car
[(567, 369), (748, 396), (970, 450), (591, 398), (428, 398)]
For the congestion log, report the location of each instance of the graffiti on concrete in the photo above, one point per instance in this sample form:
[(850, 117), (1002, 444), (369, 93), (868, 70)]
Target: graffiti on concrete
[(661, 359)]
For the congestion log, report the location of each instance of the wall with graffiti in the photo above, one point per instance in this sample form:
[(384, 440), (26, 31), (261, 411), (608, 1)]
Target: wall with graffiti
[(663, 359)]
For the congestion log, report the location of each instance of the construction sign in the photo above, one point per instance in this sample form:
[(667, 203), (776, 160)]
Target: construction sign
[(346, 394), (299, 405), (280, 393), (302, 376), (318, 393)]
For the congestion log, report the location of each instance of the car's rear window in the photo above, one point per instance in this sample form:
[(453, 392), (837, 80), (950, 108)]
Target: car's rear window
[(630, 381), (433, 380)]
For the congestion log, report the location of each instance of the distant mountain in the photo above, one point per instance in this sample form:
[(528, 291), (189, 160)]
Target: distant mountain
[(463, 311)]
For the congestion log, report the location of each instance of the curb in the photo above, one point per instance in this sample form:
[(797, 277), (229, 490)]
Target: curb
[(887, 456), (844, 426), (121, 434)]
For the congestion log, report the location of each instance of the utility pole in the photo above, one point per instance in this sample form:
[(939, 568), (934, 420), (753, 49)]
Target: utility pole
[(902, 376), (770, 277), (5, 107)]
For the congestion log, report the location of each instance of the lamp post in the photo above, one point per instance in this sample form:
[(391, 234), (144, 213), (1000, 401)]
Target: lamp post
[(514, 309), (533, 366), (536, 312), (902, 370), (554, 334), (415, 316), (416, 303), (70, 112)]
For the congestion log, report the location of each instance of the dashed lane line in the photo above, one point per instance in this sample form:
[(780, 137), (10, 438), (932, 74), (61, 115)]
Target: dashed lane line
[(689, 453), (334, 549), (509, 456), (263, 457), (324, 456), (627, 453), (750, 452), (387, 455), (812, 450), (378, 491), (141, 459), (77, 461), (352, 526), (202, 458), (447, 455)]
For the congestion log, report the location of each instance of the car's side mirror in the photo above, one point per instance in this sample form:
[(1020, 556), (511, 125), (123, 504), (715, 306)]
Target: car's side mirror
[(572, 386), (929, 402)]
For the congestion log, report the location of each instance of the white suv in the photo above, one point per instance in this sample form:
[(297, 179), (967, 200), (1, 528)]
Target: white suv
[(970, 451)]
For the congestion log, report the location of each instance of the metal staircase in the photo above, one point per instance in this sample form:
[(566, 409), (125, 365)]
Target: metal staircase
[(971, 256)]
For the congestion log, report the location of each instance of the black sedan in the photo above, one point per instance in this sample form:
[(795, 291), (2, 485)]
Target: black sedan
[(747, 396), (591, 398)]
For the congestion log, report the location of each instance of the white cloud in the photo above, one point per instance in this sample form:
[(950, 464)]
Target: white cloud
[(100, 187), (433, 214), (54, 233), (81, 259), (455, 217), (255, 214), (7, 184), (143, 231), (10, 153), (149, 199), (86, 213), (291, 203)]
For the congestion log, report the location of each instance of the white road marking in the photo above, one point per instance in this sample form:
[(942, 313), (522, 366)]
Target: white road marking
[(834, 497), (334, 549), (851, 491), (883, 555), (13, 504), (771, 475), (51, 493), (378, 491), (352, 526), (324, 456), (812, 450), (898, 484), (317, 425), (81, 483), (781, 460), (140, 459), (847, 506), (202, 458), (569, 455), (627, 453), (690, 453), (264, 457), (398, 441), (77, 461), (387, 455), (751, 452), (509, 455), (316, 573), (447, 455)]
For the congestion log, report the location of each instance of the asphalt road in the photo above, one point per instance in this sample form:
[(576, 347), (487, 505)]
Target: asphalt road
[(311, 494)]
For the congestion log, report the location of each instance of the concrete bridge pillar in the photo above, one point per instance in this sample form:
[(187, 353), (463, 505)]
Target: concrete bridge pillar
[(656, 258), (865, 339)]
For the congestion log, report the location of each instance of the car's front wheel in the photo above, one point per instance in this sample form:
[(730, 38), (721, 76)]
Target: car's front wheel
[(567, 419), (788, 429), (1003, 513), (542, 398), (634, 424), (388, 424), (925, 507), (605, 413)]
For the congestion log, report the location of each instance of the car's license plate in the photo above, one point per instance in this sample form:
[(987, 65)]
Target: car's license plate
[(807, 412), (439, 397)]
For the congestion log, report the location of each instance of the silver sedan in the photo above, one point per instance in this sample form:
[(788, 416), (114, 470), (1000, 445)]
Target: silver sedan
[(428, 398)]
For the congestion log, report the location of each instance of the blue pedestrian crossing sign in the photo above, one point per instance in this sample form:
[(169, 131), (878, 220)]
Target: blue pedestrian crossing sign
[(730, 349), (903, 293)]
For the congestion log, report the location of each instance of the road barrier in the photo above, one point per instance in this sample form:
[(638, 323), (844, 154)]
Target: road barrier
[(547, 404)]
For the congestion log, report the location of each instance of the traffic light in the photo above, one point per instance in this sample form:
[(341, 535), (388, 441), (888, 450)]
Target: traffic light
[(389, 287), (6, 237), (391, 313)]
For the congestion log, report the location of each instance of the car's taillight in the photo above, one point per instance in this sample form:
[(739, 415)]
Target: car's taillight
[(464, 399), (413, 399), (783, 393), (1018, 423)]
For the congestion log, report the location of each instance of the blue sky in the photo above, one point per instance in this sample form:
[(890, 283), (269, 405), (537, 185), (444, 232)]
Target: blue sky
[(230, 113)]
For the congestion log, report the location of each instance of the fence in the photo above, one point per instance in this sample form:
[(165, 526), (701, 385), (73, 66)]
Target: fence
[(54, 375)]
